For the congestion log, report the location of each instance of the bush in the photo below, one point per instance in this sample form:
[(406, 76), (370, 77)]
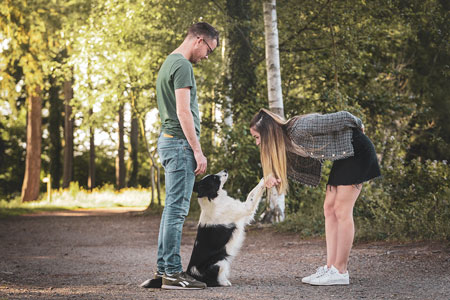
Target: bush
[(410, 202)]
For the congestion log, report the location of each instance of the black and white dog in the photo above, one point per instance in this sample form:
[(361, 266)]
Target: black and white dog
[(220, 232)]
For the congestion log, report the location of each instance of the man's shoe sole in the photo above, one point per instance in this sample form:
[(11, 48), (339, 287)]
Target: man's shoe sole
[(152, 283)]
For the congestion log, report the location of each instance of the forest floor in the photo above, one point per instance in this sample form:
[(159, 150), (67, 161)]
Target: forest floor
[(106, 254)]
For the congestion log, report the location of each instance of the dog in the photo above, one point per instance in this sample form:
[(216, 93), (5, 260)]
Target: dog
[(221, 229)]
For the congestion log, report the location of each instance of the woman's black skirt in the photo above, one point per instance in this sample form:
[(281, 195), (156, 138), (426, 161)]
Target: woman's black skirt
[(359, 168)]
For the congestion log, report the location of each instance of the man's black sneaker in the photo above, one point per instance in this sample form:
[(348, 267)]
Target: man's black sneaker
[(181, 281), (154, 283)]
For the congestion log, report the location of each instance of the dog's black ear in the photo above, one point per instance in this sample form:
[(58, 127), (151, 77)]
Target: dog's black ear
[(207, 187), (213, 187), (203, 189)]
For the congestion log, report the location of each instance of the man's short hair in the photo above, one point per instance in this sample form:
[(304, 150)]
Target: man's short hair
[(203, 29)]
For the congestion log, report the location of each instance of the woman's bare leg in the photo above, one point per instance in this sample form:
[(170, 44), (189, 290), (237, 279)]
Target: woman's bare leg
[(344, 202), (331, 225)]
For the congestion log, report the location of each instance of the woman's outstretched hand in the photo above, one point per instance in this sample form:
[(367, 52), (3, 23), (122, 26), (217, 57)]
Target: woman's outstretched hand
[(271, 181)]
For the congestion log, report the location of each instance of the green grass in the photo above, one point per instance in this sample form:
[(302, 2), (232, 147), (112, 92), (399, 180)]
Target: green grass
[(76, 198), (18, 211)]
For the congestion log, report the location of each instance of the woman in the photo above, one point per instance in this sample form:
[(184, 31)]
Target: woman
[(297, 148)]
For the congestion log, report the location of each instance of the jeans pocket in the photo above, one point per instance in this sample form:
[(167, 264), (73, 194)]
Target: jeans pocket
[(170, 158)]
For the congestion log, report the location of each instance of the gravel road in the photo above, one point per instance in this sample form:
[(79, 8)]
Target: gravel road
[(106, 254)]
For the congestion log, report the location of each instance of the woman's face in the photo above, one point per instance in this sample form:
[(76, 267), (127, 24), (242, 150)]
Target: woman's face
[(256, 135)]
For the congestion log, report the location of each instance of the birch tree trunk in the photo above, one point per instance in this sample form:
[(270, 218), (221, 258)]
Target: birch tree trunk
[(68, 135), (273, 58), (31, 181), (275, 205)]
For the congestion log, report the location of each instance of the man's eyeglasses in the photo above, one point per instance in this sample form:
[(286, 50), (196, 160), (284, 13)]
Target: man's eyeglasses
[(210, 50)]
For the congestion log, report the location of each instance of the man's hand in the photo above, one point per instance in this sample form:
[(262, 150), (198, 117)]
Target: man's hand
[(271, 181), (201, 163), (187, 124)]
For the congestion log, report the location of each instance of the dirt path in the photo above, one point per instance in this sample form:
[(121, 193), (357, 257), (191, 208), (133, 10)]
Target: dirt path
[(106, 254)]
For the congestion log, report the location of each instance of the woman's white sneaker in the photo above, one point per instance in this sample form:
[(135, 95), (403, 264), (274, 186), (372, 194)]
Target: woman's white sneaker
[(319, 272), (331, 277)]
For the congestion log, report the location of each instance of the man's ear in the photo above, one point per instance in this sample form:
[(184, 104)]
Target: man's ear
[(195, 187)]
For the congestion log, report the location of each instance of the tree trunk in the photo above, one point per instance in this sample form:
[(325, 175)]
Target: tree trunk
[(276, 204), (91, 177), (152, 179), (273, 58), (153, 165), (31, 181), (134, 143), (120, 159), (242, 76), (54, 126), (228, 102), (68, 135), (158, 184)]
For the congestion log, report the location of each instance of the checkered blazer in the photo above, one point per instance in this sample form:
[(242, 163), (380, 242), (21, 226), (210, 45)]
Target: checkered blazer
[(323, 137)]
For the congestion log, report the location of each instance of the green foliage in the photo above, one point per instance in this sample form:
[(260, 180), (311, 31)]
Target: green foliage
[(410, 202), (105, 168), (12, 154), (385, 61)]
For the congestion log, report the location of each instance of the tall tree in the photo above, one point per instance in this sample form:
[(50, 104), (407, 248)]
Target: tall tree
[(273, 58), (54, 128), (91, 176), (242, 88), (242, 69), (68, 135), (274, 211), (120, 158), (134, 149), (76, 13), (26, 28), (31, 181)]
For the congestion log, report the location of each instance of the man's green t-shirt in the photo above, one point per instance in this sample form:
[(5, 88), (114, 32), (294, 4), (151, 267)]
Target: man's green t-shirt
[(176, 72)]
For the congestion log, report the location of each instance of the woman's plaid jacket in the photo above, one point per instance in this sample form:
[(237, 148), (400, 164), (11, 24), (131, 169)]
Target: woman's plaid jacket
[(323, 137)]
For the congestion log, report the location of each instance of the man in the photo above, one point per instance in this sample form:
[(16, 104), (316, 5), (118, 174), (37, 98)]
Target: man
[(179, 150)]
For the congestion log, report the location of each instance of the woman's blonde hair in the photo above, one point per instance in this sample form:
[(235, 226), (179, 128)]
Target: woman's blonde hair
[(274, 142)]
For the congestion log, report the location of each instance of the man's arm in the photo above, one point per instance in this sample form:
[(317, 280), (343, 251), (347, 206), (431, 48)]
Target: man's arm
[(184, 114)]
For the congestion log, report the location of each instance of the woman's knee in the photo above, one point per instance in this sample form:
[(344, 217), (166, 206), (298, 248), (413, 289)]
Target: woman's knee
[(328, 210), (328, 204), (343, 212)]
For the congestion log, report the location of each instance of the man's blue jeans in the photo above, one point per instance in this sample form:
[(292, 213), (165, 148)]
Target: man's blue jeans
[(179, 164)]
